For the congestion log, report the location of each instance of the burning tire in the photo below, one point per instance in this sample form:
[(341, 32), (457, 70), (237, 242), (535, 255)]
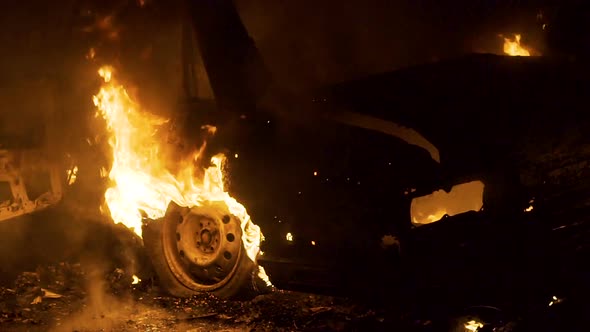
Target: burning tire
[(200, 249)]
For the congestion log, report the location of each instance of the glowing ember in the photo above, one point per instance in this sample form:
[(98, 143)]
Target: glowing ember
[(514, 48), (555, 300), (140, 179), (530, 208), (136, 280), (91, 53)]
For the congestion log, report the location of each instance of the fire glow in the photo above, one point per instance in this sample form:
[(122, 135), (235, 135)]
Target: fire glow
[(141, 181), (462, 198)]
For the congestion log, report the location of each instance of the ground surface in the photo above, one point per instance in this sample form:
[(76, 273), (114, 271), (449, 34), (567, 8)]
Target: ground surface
[(98, 295), (66, 298)]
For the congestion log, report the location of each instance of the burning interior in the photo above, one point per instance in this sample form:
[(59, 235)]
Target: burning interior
[(462, 198)]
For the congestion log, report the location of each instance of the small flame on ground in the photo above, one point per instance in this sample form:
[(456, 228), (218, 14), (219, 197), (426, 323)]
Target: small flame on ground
[(530, 208), (514, 48), (263, 276), (473, 326), (72, 175), (136, 280), (289, 237), (140, 179)]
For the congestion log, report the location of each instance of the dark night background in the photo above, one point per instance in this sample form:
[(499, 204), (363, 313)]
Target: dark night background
[(306, 43)]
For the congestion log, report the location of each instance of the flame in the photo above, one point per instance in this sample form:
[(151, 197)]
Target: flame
[(141, 182), (514, 48), (135, 280), (473, 326), (72, 175)]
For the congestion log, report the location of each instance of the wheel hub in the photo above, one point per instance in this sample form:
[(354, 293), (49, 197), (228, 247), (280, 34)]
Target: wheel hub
[(207, 236)]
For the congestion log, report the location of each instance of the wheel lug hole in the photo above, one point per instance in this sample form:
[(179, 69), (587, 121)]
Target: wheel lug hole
[(225, 219), (181, 253), (177, 236), (227, 255), (230, 237)]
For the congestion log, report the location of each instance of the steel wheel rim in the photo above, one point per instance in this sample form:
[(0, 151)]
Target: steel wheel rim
[(202, 245)]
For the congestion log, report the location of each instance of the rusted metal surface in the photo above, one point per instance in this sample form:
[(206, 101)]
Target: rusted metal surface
[(12, 174)]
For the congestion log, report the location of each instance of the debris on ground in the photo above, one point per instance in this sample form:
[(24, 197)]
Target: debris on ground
[(64, 297)]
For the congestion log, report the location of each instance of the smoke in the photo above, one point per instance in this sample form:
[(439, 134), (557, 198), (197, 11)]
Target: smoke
[(102, 310)]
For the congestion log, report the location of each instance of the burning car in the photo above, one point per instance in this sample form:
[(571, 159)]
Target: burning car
[(458, 181)]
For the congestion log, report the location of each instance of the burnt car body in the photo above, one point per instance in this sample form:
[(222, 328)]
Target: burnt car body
[(345, 187), (330, 175)]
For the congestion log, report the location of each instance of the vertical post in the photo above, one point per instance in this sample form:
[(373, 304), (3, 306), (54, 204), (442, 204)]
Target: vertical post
[(235, 69)]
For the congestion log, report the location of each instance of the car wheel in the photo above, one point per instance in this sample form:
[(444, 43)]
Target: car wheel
[(200, 249)]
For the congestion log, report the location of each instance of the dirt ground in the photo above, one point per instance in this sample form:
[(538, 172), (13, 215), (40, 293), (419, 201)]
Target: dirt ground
[(66, 298)]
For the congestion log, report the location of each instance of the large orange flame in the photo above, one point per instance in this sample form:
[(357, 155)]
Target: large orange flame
[(140, 179)]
